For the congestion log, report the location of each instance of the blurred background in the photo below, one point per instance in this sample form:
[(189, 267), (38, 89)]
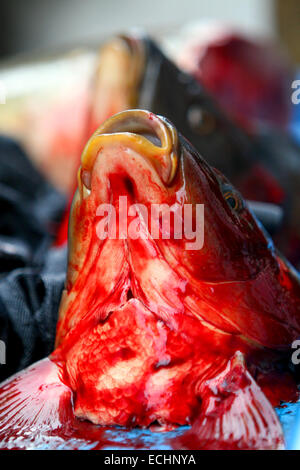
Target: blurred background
[(39, 25)]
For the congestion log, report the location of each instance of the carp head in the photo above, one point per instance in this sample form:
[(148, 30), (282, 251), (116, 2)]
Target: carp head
[(200, 285), (139, 156)]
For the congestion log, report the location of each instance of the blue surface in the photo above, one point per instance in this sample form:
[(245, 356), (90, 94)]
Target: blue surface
[(289, 416)]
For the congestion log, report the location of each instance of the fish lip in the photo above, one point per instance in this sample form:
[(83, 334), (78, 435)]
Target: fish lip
[(127, 128)]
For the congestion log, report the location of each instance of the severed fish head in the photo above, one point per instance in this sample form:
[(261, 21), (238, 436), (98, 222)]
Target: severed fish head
[(169, 275)]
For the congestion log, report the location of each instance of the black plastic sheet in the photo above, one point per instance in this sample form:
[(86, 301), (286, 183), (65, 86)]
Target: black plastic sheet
[(31, 273)]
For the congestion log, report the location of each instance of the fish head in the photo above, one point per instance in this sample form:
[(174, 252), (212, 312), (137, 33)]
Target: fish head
[(141, 156), (203, 233), (169, 274)]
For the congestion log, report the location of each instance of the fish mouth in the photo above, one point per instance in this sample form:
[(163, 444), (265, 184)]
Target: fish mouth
[(138, 130)]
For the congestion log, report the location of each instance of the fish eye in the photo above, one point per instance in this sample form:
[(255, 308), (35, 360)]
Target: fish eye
[(233, 198)]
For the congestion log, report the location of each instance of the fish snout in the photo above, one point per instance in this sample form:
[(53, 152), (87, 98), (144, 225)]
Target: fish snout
[(152, 137)]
